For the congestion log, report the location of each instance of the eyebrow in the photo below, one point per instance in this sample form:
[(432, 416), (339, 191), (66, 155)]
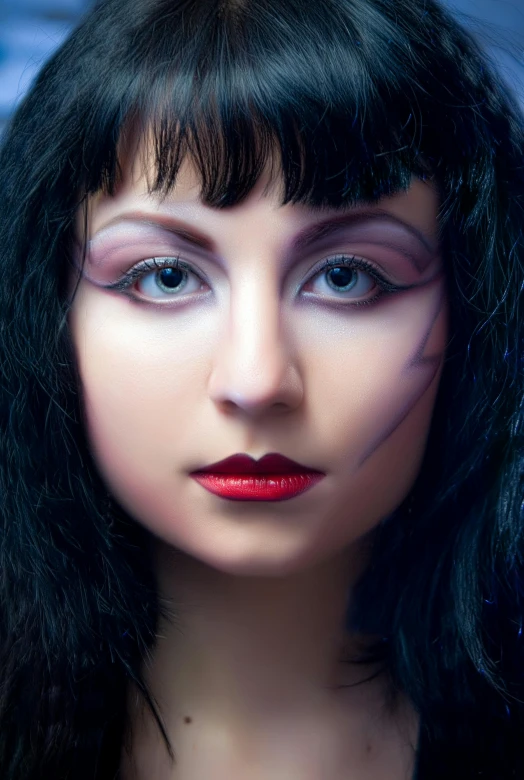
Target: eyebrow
[(306, 238)]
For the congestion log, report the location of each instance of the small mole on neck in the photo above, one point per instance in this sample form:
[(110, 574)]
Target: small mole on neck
[(187, 719)]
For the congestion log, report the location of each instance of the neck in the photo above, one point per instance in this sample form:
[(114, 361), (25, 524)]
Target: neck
[(252, 649)]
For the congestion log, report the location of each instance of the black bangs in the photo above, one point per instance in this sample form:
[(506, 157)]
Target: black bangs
[(228, 84)]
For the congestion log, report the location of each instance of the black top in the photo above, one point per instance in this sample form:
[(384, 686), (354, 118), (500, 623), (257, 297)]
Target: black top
[(478, 744)]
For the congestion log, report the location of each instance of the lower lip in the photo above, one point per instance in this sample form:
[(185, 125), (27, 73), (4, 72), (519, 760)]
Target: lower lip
[(243, 487)]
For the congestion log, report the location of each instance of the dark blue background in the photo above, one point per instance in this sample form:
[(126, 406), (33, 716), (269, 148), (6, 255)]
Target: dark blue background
[(31, 29)]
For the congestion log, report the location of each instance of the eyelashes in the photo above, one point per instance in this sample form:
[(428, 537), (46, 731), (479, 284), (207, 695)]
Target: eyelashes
[(343, 283)]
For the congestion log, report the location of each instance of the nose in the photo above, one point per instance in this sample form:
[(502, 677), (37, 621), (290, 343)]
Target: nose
[(254, 367)]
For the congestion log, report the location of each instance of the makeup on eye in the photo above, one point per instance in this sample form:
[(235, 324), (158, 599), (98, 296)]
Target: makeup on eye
[(406, 250), (357, 223), (346, 263), (397, 258)]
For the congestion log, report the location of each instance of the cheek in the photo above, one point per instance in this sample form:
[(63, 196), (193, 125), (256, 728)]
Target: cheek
[(378, 401), (378, 374), (385, 478), (138, 393)]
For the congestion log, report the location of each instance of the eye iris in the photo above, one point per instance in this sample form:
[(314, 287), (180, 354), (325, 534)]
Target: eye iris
[(171, 277), (341, 275)]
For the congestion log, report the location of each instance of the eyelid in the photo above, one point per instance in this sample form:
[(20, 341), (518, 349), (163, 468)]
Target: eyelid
[(149, 265), (341, 258)]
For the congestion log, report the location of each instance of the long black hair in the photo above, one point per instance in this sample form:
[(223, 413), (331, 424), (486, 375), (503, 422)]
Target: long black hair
[(357, 96)]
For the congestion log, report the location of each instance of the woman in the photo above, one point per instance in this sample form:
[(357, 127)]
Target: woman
[(258, 229)]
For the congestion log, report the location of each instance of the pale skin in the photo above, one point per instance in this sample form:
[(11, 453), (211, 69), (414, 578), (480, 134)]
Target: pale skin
[(257, 357)]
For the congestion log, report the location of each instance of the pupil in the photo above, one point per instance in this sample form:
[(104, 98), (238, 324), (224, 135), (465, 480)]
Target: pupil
[(342, 276), (170, 277)]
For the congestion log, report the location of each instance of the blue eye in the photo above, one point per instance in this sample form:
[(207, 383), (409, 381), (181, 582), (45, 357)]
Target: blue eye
[(343, 273)]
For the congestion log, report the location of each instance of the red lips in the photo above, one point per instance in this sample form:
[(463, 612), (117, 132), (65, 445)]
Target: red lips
[(269, 464)]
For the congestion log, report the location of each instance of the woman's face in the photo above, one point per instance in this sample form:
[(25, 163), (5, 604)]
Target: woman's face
[(258, 351)]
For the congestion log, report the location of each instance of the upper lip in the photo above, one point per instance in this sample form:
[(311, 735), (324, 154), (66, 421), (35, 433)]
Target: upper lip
[(273, 463)]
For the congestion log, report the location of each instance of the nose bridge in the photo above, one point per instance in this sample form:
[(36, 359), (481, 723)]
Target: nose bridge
[(253, 335), (252, 361)]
